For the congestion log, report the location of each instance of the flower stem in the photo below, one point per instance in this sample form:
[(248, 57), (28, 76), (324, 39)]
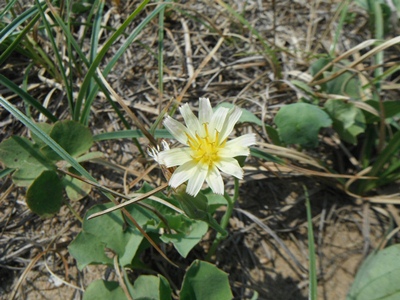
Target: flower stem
[(224, 220), (74, 212)]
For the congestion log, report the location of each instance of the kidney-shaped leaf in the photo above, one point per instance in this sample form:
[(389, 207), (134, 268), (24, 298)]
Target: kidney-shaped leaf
[(378, 277), (45, 195), (76, 189), (75, 138), (204, 281), (299, 123), (151, 287), (19, 153), (87, 249), (185, 241), (348, 120), (104, 290)]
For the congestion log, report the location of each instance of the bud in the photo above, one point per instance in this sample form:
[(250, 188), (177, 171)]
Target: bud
[(194, 207)]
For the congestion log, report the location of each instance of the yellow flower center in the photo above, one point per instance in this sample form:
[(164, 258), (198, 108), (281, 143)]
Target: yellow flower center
[(205, 149)]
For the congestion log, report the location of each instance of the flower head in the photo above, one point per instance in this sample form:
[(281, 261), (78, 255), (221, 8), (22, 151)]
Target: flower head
[(207, 150)]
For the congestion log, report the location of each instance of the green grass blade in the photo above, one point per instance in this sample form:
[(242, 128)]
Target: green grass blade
[(92, 70), (59, 72), (16, 42), (275, 65), (344, 6), (134, 133), (9, 29), (384, 157), (311, 250), (26, 97), (129, 40), (161, 52), (266, 156), (379, 34), (95, 36), (5, 172), (7, 8)]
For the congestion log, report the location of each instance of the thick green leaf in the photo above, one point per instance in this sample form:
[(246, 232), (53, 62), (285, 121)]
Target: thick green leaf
[(87, 249), (318, 65), (273, 135), (185, 241), (246, 115), (110, 230), (391, 109), (204, 281), (215, 201), (149, 287), (348, 120), (299, 123), (104, 290), (264, 155), (45, 195), (72, 136), (46, 128), (76, 189), (346, 84), (378, 277), (19, 153)]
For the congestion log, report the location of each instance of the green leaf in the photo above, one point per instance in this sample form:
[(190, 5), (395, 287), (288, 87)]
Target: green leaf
[(104, 290), (264, 155), (46, 128), (318, 65), (348, 120), (46, 139), (246, 116), (109, 229), (381, 162), (346, 84), (26, 97), (19, 153), (76, 189), (378, 276), (44, 197), (149, 287), (215, 201), (390, 110), (88, 249), (299, 123), (72, 136), (311, 251), (204, 281), (134, 133), (273, 135), (186, 241)]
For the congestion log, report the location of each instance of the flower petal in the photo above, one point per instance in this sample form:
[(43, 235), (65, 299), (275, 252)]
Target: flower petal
[(196, 181), (233, 151), (214, 180), (176, 129), (218, 119), (192, 123), (238, 146), (232, 118), (182, 174), (205, 111), (174, 157), (230, 166)]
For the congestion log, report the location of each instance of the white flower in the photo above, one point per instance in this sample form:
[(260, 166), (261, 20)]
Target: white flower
[(208, 150)]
